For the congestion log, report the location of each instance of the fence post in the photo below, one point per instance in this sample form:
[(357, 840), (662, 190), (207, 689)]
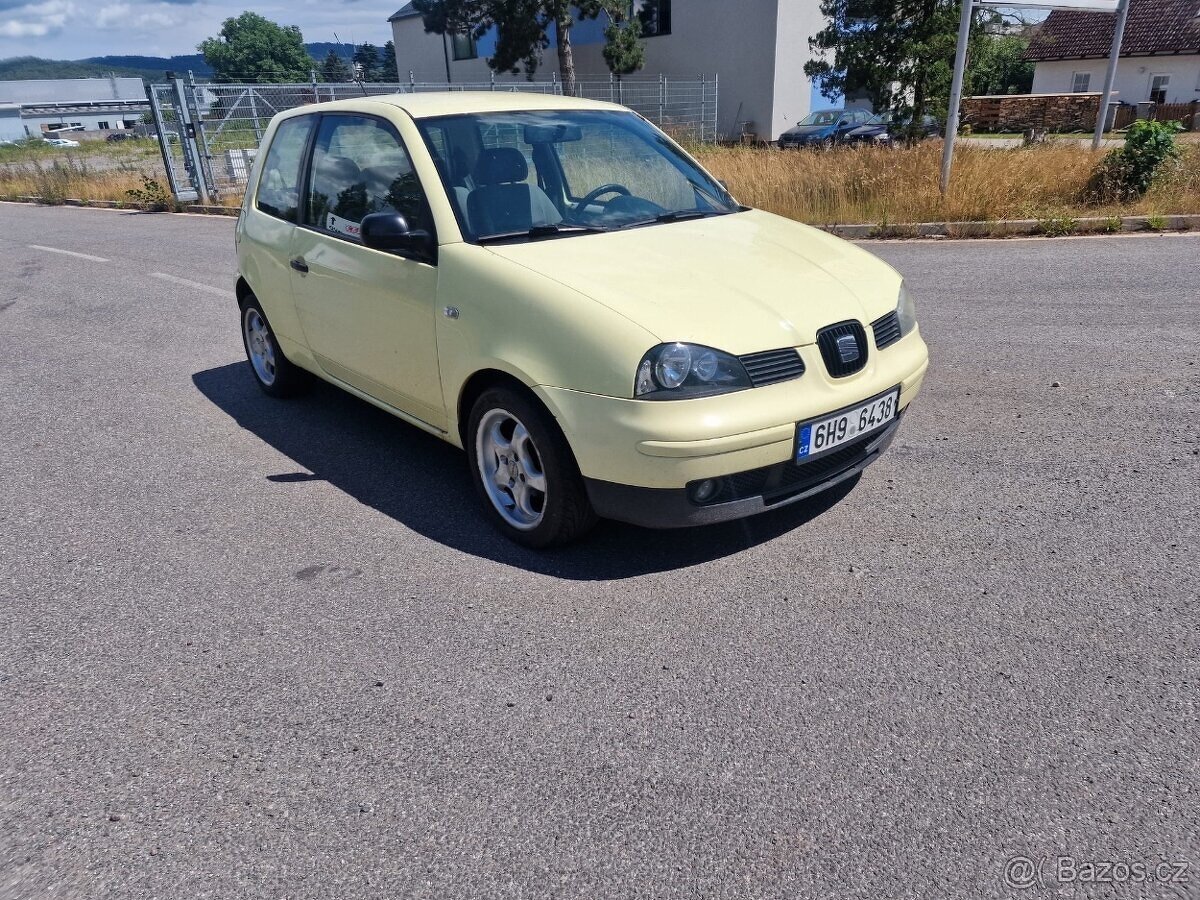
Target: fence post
[(164, 143), (254, 115), (187, 138), (717, 105), (493, 79), (198, 120), (412, 82), (312, 80), (612, 89), (662, 98)]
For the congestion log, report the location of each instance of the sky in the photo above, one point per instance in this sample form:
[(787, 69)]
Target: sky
[(76, 29)]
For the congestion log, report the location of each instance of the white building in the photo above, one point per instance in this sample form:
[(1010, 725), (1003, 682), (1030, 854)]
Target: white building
[(40, 106), (756, 48), (1160, 53)]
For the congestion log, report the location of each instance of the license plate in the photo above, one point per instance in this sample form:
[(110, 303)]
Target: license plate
[(820, 436)]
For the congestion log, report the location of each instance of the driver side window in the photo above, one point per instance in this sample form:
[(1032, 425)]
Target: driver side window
[(360, 167)]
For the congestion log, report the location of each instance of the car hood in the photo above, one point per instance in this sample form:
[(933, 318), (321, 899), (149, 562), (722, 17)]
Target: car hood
[(807, 131), (742, 283)]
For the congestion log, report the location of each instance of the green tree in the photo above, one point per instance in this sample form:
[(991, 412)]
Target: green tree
[(624, 51), (334, 69), (253, 49), (388, 71), (899, 52), (998, 66), (523, 28), (366, 56)]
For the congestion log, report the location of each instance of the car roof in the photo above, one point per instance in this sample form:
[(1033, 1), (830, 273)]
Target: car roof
[(449, 103)]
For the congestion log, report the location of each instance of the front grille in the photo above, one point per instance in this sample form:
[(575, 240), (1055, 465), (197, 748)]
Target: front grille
[(832, 351), (887, 330), (773, 366)]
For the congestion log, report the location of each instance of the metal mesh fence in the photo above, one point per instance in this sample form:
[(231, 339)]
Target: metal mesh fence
[(210, 132)]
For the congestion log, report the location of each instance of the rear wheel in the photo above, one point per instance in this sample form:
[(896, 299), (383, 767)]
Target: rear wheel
[(525, 472), (272, 371)]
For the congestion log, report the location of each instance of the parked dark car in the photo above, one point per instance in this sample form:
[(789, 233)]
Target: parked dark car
[(884, 128), (823, 128), (118, 136)]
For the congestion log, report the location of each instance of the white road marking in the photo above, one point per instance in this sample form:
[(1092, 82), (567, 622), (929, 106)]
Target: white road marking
[(68, 253), (194, 285)]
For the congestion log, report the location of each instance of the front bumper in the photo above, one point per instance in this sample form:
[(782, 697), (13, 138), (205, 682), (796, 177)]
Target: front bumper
[(670, 444), (753, 492)]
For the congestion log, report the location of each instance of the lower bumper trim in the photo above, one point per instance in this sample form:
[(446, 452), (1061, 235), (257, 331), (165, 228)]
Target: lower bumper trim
[(672, 508)]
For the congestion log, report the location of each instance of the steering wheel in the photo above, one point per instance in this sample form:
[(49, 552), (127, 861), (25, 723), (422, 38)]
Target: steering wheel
[(593, 196)]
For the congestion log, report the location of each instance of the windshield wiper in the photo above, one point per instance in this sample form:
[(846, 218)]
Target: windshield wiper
[(542, 231), (679, 215)]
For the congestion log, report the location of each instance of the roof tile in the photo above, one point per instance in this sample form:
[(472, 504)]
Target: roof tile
[(1154, 27)]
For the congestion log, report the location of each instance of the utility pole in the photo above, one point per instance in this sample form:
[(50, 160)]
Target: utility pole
[(956, 89), (1110, 76)]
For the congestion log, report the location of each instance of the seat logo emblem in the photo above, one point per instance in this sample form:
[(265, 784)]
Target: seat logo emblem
[(847, 348)]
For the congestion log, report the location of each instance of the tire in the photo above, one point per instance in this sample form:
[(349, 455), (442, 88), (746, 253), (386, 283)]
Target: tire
[(524, 471), (272, 371)]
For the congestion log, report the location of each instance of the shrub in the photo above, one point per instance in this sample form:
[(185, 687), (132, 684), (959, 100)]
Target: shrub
[(151, 195), (1127, 173), (1057, 226)]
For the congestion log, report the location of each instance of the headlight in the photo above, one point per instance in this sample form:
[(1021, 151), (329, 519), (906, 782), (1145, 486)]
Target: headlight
[(906, 311), (681, 371)]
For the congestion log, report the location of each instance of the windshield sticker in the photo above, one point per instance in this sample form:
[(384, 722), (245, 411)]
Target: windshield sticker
[(343, 226)]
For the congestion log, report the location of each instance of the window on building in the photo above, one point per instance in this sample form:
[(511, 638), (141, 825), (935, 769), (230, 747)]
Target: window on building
[(655, 16), (279, 186), (1158, 88), (463, 46), (360, 167), (103, 126), (1081, 82)]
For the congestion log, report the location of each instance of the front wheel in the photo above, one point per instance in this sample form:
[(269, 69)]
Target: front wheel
[(525, 472)]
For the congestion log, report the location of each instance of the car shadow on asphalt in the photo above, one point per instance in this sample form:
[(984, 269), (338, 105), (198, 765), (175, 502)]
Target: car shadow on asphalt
[(422, 482)]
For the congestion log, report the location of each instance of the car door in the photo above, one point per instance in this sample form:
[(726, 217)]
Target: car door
[(368, 315)]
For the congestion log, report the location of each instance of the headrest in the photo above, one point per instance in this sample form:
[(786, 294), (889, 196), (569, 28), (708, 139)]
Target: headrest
[(503, 165)]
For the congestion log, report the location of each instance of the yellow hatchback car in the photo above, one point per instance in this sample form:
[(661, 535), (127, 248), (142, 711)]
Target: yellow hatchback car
[(555, 286)]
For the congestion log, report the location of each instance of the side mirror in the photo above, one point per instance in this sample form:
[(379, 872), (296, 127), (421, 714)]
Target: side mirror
[(390, 232)]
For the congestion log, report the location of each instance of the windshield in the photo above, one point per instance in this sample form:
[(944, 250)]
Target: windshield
[(537, 174), (824, 117), (883, 118)]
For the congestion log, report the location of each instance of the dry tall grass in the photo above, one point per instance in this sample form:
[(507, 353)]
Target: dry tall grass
[(871, 185), (895, 185)]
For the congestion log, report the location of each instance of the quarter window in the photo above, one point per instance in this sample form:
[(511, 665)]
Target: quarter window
[(279, 185), (360, 167), (1080, 82)]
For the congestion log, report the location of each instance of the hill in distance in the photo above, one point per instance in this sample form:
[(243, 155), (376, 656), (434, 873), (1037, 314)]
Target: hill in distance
[(151, 68)]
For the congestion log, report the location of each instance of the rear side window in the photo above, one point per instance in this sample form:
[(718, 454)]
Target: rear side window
[(360, 167), (279, 186)]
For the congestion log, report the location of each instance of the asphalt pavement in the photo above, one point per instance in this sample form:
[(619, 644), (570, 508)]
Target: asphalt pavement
[(252, 648)]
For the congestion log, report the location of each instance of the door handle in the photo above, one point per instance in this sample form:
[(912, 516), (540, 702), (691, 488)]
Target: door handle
[(299, 264)]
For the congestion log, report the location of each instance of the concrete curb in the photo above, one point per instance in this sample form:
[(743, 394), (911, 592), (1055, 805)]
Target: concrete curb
[(1051, 227)]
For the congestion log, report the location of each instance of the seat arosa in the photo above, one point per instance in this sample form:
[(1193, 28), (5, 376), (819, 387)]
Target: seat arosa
[(556, 287)]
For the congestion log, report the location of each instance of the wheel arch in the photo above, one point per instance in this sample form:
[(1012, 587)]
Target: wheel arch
[(479, 382), (242, 290)]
